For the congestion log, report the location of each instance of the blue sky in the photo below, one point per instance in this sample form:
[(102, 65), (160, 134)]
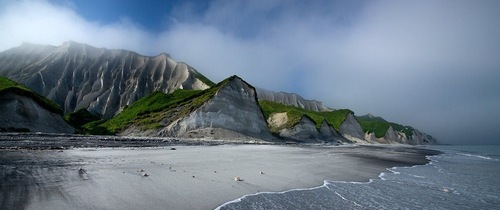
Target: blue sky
[(430, 64), (152, 15)]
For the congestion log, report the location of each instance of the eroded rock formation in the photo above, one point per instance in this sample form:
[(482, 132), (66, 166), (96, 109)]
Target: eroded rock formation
[(232, 113), (291, 99), (79, 76)]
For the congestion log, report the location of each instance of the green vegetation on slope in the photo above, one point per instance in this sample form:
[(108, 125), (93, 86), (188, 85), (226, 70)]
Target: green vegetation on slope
[(204, 79), (374, 125), (335, 118), (7, 85), (379, 126), (156, 110), (80, 117), (294, 114), (151, 103), (407, 130)]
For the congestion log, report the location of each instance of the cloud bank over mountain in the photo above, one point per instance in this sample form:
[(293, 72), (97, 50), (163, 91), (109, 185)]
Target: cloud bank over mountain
[(432, 64)]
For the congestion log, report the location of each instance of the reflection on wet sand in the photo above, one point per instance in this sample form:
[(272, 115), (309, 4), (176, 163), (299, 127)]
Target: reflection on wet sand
[(35, 175)]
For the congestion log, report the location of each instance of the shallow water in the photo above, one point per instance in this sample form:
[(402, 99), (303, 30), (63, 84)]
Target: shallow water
[(464, 177)]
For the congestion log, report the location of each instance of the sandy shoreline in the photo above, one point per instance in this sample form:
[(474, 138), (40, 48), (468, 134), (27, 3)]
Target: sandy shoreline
[(189, 177)]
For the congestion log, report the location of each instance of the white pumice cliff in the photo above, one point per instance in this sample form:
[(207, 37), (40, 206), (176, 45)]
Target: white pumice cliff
[(78, 76), (232, 113), (291, 99)]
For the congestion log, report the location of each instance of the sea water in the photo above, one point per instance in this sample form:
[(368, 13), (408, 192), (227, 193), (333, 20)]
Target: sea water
[(463, 177)]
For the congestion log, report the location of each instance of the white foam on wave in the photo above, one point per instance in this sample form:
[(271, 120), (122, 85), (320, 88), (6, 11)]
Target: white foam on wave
[(478, 156), (343, 198), (381, 176), (395, 168), (393, 171), (261, 193), (326, 184)]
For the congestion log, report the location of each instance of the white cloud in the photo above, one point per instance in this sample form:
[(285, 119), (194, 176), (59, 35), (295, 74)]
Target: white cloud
[(43, 23)]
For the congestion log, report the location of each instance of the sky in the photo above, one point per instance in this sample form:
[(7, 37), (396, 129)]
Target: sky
[(431, 64)]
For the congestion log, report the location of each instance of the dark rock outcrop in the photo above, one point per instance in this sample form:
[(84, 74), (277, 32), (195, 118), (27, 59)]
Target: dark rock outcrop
[(328, 133), (306, 131), (23, 113), (352, 130)]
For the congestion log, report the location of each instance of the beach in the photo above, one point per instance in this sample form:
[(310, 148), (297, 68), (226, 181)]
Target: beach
[(183, 177)]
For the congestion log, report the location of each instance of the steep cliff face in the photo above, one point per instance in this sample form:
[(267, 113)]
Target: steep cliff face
[(304, 131), (378, 130), (23, 113), (291, 99), (328, 133), (391, 137), (79, 76), (231, 113), (351, 129), (419, 138), (394, 137)]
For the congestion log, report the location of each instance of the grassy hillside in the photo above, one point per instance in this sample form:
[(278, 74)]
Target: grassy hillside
[(407, 130), (379, 126), (80, 117), (334, 118), (204, 79), (149, 111), (151, 103), (7, 85)]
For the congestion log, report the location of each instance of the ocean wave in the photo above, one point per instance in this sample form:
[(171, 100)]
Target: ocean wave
[(262, 193), (478, 156)]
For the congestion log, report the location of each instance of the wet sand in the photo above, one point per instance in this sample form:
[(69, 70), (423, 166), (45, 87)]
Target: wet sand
[(189, 177)]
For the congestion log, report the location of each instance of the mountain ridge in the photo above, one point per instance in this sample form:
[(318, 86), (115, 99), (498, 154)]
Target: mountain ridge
[(291, 99), (111, 84), (76, 75)]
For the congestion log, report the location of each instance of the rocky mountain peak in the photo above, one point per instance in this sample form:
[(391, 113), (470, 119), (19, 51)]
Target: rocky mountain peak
[(76, 75), (372, 117)]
